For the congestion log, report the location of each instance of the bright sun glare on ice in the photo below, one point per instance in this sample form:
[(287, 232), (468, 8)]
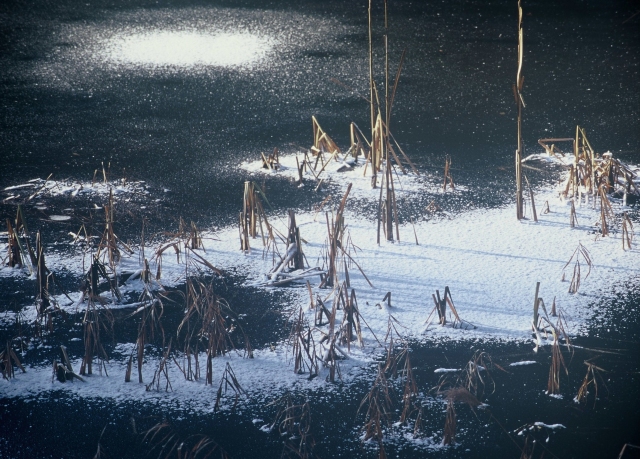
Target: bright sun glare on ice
[(188, 49)]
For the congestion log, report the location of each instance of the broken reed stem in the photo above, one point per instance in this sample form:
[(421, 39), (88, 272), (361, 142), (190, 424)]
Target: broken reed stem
[(533, 202), (8, 359), (606, 211), (415, 234), (627, 231), (536, 303), (573, 219), (448, 178)]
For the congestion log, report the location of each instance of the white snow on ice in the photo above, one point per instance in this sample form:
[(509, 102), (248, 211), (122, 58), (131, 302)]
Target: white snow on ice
[(489, 260)]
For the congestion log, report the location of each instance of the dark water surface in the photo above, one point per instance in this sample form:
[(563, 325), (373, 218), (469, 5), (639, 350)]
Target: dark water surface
[(67, 108)]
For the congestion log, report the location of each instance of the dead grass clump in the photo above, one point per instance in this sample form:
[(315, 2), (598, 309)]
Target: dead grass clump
[(228, 382), (456, 395), (449, 431), (590, 380), (271, 162), (579, 253), (358, 142), (150, 311), (110, 243), (350, 329), (335, 234), (590, 172), (303, 347), (472, 378), (294, 424), (557, 365), (410, 404), (395, 346), (14, 258), (162, 373), (167, 442), (208, 320), (252, 216), (63, 372), (440, 307), (97, 319), (293, 260), (379, 411), (606, 210)]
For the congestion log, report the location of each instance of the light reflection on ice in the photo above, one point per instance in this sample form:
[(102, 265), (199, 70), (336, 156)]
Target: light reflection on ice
[(187, 49)]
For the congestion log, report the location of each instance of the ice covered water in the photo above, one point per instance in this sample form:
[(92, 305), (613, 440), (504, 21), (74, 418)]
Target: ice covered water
[(186, 49)]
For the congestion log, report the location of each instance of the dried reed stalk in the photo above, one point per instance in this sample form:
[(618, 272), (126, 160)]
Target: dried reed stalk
[(528, 448), (373, 160), (15, 252), (410, 404), (517, 91), (449, 431), (42, 278), (536, 305), (590, 379), (321, 141), (606, 210), (252, 215), (557, 364), (331, 358), (335, 232)]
